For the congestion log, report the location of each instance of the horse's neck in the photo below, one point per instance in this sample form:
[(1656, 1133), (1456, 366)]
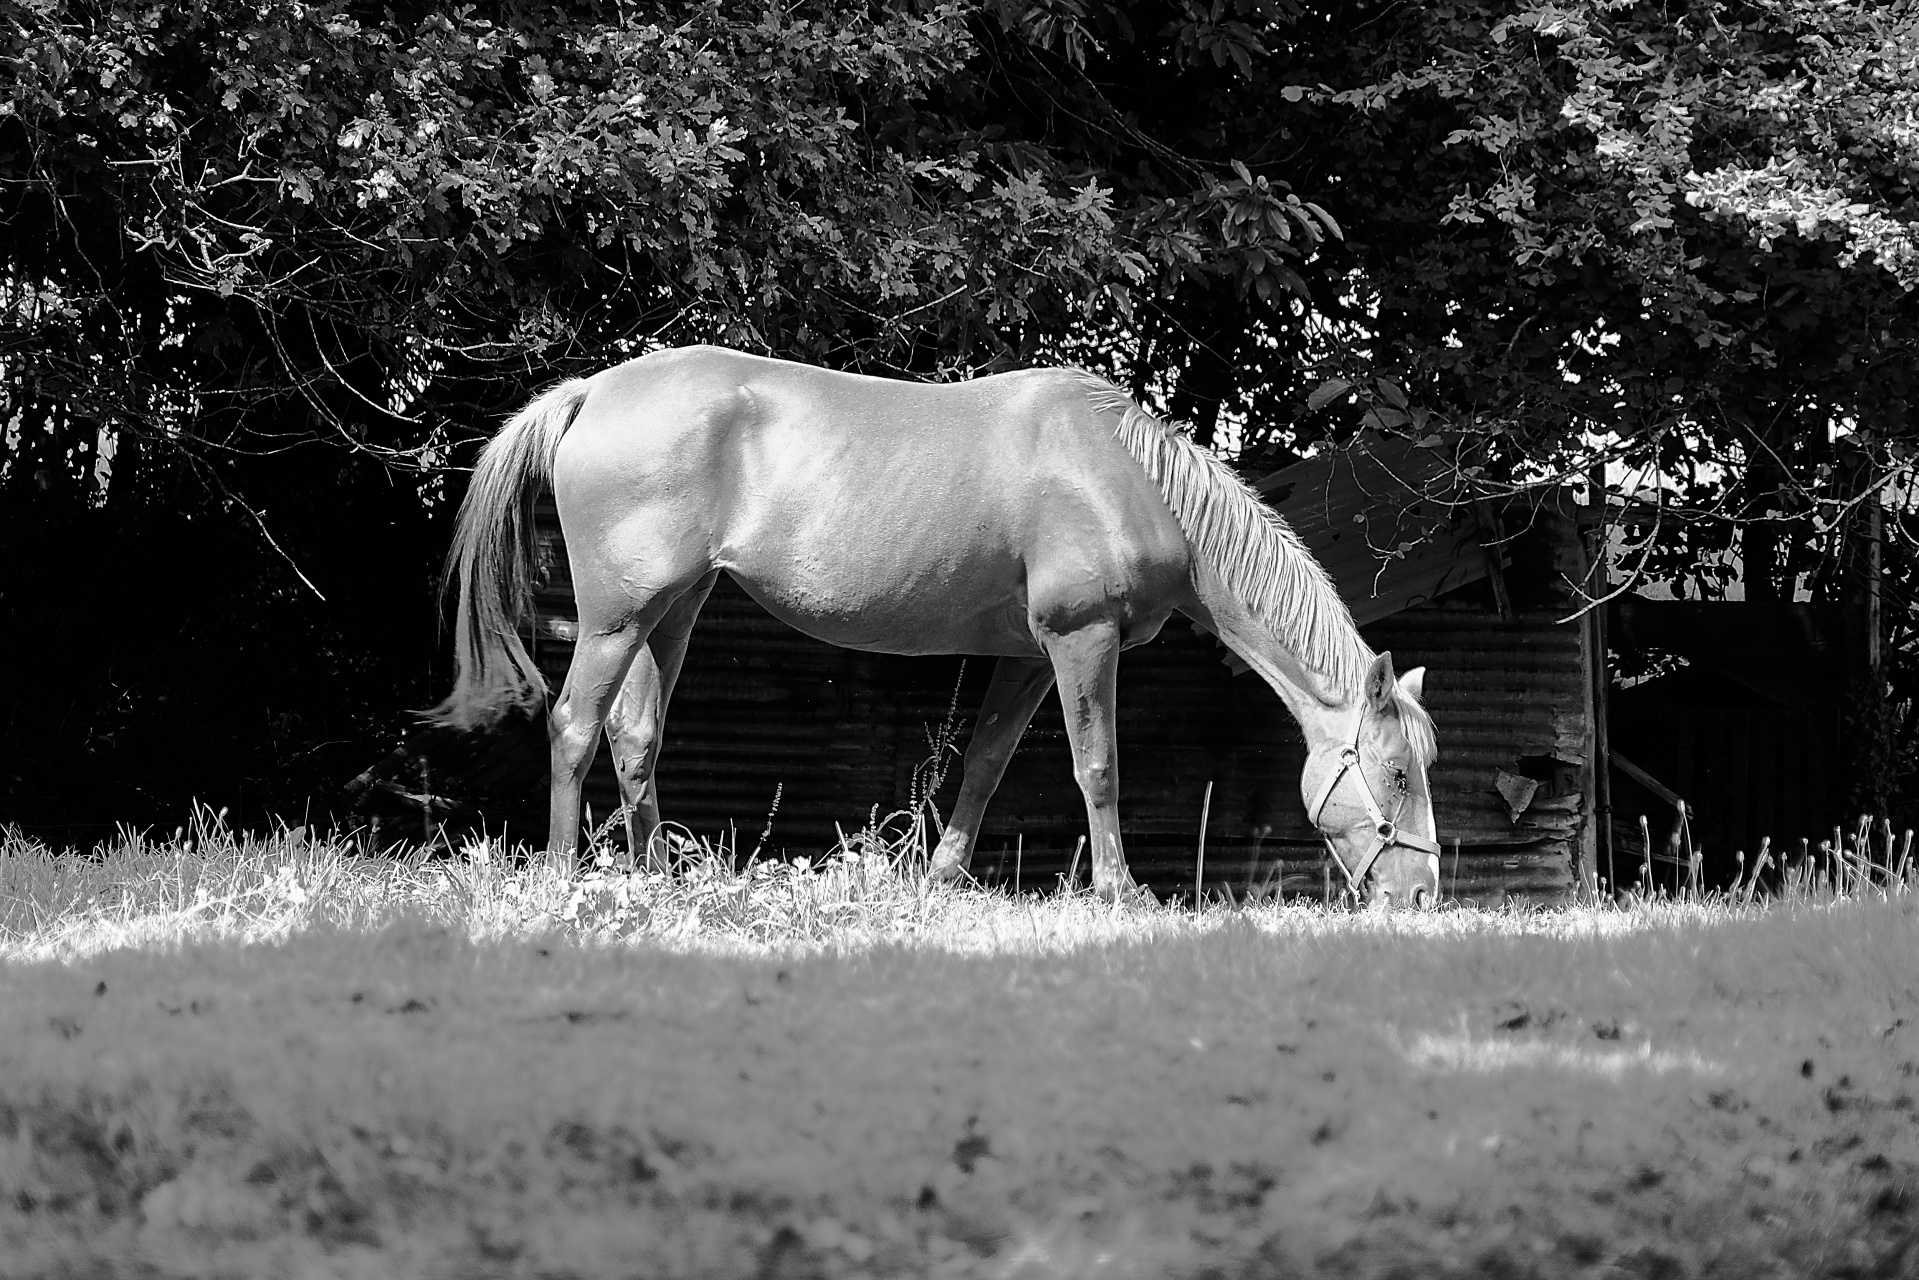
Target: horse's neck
[(1298, 686)]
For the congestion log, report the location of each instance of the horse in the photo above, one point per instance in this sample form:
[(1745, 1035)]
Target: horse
[(1040, 517)]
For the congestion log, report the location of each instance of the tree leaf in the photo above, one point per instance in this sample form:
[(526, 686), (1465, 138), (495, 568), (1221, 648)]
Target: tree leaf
[(1327, 392), (1327, 218)]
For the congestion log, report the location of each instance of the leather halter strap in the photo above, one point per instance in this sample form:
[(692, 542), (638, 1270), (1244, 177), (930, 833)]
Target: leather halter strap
[(1386, 832)]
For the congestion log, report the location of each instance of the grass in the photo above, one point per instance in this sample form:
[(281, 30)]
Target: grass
[(229, 1055), (215, 885)]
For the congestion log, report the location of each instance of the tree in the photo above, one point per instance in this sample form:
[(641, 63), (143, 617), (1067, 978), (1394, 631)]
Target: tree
[(270, 269), (1670, 246), (1679, 241), (268, 263)]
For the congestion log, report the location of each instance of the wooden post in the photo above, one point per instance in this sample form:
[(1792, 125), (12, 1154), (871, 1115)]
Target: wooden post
[(1685, 843), (1495, 556), (1875, 570), (1602, 746), (1599, 705)]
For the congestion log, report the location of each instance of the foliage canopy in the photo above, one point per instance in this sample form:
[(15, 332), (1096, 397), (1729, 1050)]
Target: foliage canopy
[(269, 268)]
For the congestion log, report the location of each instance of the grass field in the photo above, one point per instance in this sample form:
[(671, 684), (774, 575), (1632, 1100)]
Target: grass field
[(271, 1058)]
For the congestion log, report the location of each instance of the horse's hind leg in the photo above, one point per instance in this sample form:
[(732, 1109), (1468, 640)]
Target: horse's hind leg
[(638, 722), (1016, 690), (601, 656), (1086, 663), (633, 735)]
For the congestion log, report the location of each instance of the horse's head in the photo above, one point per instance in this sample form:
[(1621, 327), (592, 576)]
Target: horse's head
[(1367, 793)]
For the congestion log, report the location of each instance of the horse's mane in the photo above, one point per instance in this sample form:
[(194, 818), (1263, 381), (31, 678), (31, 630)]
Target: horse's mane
[(1254, 551)]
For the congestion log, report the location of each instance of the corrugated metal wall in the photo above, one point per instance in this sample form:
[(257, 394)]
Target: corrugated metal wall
[(761, 707)]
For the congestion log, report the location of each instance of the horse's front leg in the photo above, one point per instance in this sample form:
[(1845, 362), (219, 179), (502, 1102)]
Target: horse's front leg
[(1017, 687), (1086, 664)]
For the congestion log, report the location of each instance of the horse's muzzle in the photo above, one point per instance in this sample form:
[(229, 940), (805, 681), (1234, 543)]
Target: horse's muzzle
[(1404, 877)]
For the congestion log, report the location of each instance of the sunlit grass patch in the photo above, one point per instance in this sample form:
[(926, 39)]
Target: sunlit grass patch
[(1461, 1053), (209, 882), (214, 884)]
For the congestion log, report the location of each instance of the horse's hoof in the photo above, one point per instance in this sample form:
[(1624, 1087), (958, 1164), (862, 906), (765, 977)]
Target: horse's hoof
[(947, 866)]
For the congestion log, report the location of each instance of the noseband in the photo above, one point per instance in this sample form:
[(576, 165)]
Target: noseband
[(1386, 832)]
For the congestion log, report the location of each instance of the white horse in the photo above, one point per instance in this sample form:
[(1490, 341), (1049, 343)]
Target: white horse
[(1041, 517)]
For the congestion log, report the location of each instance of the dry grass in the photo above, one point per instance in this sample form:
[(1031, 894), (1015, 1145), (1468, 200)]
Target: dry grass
[(209, 883), (216, 885), (273, 1057)]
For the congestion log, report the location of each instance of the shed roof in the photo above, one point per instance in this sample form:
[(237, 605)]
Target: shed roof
[(1387, 519)]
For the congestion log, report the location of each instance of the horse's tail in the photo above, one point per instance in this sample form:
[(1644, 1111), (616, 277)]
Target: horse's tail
[(492, 564)]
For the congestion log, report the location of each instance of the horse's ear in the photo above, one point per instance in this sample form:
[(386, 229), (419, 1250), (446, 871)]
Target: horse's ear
[(1413, 684), (1379, 685)]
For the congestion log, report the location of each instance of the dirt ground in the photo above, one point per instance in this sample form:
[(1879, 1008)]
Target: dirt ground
[(1730, 1098)]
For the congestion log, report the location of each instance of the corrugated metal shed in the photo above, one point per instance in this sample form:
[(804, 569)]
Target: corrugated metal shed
[(761, 708)]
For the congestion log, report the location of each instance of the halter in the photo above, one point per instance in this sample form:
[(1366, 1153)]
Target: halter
[(1386, 832)]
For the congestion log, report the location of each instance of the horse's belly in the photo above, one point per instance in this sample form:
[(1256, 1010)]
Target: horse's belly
[(903, 617)]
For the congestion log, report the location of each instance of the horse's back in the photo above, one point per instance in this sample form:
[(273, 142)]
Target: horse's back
[(875, 513), (709, 388)]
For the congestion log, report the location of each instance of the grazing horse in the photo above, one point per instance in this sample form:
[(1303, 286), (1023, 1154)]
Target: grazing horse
[(1041, 517)]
